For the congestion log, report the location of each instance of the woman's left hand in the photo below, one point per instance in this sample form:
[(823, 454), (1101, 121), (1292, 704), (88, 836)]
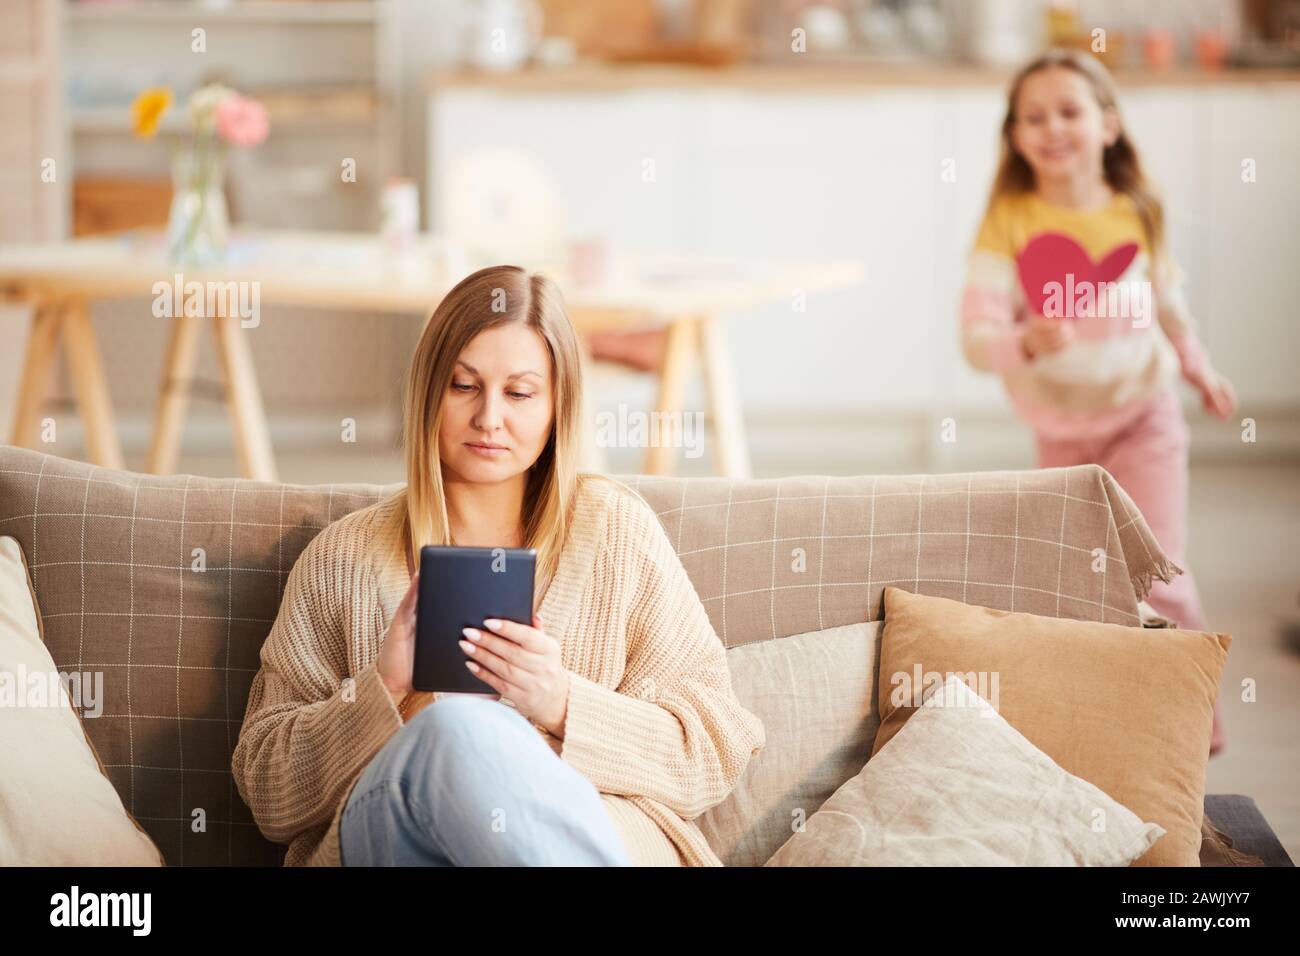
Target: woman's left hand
[(523, 664)]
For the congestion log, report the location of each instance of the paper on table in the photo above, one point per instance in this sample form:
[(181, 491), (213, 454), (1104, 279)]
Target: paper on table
[(696, 271)]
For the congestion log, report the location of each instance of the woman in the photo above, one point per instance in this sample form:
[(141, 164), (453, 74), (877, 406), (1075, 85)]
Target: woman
[(614, 724)]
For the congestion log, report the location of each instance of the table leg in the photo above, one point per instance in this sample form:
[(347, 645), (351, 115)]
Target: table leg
[(678, 353), (42, 342), (244, 399), (102, 445), (731, 448), (173, 399)]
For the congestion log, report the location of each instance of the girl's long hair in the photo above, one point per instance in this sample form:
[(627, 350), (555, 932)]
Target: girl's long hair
[(1120, 163), (491, 297)]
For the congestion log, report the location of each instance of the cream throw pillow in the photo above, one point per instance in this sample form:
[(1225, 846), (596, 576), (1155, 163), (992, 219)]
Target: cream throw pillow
[(57, 806), (959, 786), (816, 696)]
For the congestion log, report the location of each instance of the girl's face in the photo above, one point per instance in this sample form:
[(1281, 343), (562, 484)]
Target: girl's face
[(496, 415), (1060, 128)]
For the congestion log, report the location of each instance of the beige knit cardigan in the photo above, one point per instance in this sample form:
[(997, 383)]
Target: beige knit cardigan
[(652, 720)]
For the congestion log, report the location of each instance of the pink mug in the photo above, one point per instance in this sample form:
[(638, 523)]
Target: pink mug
[(590, 261)]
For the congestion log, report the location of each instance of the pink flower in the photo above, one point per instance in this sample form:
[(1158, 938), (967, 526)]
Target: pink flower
[(241, 121)]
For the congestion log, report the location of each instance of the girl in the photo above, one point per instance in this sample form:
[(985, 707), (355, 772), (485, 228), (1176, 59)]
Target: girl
[(1069, 288), (614, 724)]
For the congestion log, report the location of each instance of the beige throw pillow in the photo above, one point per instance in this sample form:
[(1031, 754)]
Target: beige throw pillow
[(815, 694), (57, 806), (959, 786)]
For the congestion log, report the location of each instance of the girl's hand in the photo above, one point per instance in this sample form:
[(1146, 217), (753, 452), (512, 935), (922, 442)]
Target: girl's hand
[(1217, 393), (523, 664), (1045, 335)]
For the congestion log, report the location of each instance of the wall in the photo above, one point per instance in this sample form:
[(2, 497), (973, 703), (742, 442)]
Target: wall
[(858, 174)]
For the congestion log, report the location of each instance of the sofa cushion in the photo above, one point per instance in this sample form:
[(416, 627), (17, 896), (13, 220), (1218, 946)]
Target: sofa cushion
[(1126, 708), (959, 786), (57, 805), (815, 694)]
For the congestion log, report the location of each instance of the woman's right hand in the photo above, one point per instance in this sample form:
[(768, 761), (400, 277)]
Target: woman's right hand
[(1045, 335), (397, 654)]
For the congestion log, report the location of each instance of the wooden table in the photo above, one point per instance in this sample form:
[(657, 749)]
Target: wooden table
[(688, 295)]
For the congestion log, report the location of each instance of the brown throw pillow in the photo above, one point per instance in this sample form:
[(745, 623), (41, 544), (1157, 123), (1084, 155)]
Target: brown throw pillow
[(1126, 708)]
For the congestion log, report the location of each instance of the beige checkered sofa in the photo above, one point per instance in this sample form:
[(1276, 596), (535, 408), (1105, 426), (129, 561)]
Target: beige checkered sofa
[(111, 554)]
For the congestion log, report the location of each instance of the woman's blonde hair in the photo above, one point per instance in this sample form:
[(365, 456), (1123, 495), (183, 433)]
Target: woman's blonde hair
[(1120, 163), (491, 297)]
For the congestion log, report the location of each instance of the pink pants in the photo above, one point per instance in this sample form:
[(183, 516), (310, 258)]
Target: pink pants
[(1148, 457)]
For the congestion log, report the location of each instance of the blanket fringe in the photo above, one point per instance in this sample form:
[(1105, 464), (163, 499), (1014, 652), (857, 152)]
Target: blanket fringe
[(1142, 580)]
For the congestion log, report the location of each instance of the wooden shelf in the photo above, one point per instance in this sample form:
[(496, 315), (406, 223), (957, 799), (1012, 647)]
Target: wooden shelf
[(296, 111), (327, 91), (594, 76), (322, 12)]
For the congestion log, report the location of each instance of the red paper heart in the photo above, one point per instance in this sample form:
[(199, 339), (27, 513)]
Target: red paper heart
[(1050, 256)]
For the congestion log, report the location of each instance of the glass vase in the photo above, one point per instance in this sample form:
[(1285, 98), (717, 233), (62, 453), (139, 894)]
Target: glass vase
[(198, 226)]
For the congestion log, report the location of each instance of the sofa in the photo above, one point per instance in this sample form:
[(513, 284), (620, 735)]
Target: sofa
[(169, 585)]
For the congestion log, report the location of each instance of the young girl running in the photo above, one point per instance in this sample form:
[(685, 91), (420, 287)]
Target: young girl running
[(1072, 297)]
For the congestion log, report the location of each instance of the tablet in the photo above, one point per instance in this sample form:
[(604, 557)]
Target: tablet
[(459, 588)]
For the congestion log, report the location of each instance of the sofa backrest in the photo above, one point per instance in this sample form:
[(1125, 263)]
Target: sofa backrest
[(169, 585), (781, 556)]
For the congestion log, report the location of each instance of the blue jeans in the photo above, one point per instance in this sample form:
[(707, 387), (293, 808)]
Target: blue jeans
[(470, 782)]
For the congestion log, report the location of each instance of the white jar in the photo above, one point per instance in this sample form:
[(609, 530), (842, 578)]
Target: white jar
[(401, 215)]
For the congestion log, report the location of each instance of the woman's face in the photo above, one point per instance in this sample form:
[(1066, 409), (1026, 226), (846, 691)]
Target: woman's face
[(1060, 128), (496, 415)]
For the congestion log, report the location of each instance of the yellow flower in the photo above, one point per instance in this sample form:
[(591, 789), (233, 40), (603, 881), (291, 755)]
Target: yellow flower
[(148, 109)]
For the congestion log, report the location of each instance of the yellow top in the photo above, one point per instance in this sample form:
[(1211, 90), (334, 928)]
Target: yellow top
[(1014, 220), (1091, 267)]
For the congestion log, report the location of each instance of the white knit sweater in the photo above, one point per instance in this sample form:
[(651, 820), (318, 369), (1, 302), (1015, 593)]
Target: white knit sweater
[(652, 720)]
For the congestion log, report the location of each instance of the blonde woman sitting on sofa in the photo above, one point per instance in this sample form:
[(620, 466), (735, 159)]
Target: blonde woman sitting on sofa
[(614, 724)]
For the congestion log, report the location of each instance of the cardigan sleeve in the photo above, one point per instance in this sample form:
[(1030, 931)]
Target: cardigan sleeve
[(1176, 320), (673, 730), (308, 732), (991, 339)]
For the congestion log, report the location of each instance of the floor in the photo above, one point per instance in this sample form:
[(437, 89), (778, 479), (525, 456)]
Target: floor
[(1244, 549)]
